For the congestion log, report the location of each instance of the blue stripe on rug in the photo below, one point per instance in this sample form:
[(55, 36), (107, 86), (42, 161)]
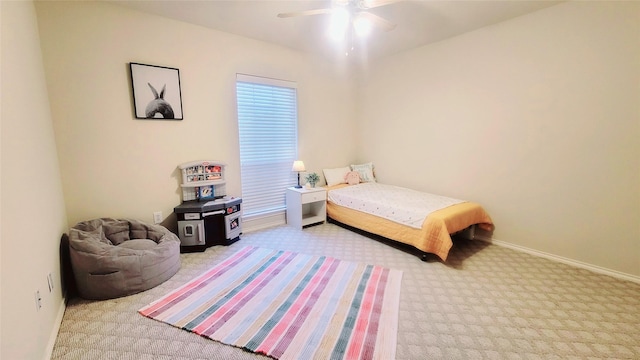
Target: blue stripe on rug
[(290, 306)]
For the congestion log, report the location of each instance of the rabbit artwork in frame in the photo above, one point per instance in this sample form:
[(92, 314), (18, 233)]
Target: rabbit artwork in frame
[(156, 92), (159, 105)]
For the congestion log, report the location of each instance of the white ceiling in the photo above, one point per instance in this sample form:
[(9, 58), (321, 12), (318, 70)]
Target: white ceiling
[(418, 22)]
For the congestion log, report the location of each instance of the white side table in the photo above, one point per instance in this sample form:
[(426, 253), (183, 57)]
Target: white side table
[(306, 206)]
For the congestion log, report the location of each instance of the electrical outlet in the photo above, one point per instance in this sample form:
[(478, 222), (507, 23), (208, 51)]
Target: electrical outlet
[(38, 300), (157, 217), (50, 282)]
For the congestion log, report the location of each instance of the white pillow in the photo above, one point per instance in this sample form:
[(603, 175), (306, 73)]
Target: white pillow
[(335, 176), (365, 171)]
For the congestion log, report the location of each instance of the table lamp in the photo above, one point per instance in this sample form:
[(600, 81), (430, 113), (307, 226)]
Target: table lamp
[(298, 166)]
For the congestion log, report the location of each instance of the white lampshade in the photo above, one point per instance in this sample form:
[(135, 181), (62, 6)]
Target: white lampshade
[(298, 166)]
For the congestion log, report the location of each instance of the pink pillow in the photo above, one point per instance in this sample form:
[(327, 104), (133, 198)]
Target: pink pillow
[(352, 178)]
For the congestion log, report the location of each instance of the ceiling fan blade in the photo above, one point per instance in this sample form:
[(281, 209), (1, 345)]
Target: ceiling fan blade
[(384, 24), (368, 4), (306, 13)]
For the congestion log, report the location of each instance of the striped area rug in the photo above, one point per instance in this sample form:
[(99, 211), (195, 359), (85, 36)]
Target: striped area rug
[(289, 306)]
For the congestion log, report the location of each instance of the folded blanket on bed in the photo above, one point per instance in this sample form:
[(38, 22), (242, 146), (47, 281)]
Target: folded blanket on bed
[(402, 205)]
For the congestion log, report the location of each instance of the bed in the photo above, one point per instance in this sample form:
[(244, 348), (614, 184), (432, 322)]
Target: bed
[(369, 206)]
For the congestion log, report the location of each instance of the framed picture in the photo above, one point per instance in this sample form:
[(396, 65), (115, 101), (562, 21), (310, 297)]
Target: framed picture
[(205, 193), (156, 92)]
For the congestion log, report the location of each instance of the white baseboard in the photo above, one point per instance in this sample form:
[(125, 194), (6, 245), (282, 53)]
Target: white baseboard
[(564, 260), (263, 222), (54, 333)]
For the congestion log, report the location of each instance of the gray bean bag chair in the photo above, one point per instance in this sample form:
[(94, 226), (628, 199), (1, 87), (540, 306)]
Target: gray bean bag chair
[(117, 257)]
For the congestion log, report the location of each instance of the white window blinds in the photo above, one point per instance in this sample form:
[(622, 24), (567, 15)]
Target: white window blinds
[(268, 134)]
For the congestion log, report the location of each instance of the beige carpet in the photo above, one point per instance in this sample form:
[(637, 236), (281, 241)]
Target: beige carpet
[(486, 302)]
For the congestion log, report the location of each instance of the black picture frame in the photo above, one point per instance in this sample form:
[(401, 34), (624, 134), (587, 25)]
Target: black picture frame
[(156, 92)]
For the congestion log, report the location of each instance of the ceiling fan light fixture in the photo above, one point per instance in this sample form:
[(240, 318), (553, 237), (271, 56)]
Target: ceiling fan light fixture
[(362, 26), (339, 24)]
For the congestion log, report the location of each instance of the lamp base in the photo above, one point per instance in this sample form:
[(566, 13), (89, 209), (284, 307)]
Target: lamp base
[(298, 186)]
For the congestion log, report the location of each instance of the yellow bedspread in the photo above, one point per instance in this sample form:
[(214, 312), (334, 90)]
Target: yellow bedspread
[(434, 236)]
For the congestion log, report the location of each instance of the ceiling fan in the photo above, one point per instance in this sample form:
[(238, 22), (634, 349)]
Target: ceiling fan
[(352, 12)]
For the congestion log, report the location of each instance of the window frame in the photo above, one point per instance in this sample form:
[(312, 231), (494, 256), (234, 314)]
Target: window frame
[(264, 194)]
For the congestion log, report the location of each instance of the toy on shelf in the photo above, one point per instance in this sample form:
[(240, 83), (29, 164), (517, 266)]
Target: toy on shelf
[(202, 180)]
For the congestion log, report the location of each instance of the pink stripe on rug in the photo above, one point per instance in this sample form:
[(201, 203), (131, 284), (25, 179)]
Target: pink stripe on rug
[(247, 294), (374, 319), (188, 288), (320, 281), (207, 326), (286, 320), (331, 309), (355, 345)]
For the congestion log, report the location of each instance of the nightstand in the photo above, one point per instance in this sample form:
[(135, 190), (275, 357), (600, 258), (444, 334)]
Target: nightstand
[(306, 206)]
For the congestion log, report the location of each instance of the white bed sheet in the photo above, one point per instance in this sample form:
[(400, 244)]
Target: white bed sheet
[(398, 204)]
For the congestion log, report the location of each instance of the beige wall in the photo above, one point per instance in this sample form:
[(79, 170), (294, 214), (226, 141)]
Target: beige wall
[(114, 165), (33, 214), (536, 118)]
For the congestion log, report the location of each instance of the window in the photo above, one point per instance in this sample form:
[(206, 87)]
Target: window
[(268, 132)]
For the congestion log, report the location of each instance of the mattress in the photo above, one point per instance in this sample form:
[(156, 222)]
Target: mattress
[(434, 236)]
